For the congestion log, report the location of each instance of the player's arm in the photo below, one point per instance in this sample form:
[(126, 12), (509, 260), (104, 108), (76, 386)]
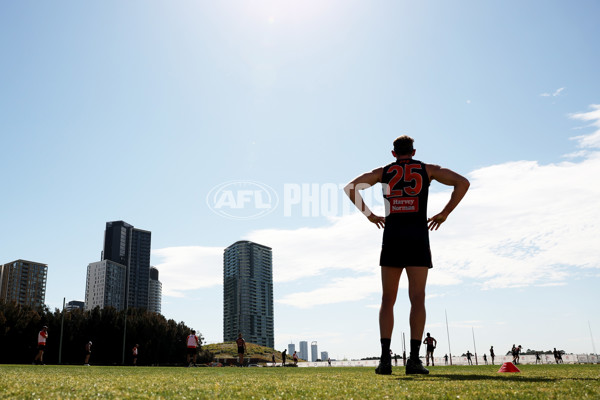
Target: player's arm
[(449, 178), (361, 182)]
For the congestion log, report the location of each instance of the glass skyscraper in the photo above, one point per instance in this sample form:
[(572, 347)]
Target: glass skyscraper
[(130, 247), (248, 293), (154, 292)]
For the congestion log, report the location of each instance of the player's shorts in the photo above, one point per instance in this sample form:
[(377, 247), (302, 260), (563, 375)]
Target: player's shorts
[(240, 350), (191, 351), (430, 349), (405, 248), (41, 347)]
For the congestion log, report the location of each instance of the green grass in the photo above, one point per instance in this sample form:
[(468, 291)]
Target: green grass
[(78, 382)]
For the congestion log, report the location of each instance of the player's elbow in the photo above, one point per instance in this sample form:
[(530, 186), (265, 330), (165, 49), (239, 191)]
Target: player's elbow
[(349, 188)]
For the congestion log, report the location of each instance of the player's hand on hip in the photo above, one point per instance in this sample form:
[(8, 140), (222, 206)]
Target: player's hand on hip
[(434, 222), (377, 220)]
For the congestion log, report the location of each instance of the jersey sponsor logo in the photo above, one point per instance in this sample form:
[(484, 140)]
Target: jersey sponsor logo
[(401, 205)]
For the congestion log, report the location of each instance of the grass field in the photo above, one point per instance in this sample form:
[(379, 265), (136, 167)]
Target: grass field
[(459, 382)]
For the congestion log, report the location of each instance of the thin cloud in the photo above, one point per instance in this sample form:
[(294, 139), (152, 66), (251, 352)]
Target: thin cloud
[(555, 94)]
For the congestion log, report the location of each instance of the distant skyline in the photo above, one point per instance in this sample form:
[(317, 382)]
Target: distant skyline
[(136, 111)]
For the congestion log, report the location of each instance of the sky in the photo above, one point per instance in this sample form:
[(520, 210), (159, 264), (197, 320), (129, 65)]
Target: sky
[(211, 122)]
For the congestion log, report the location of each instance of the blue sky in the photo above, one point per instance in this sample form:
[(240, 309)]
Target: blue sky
[(135, 111)]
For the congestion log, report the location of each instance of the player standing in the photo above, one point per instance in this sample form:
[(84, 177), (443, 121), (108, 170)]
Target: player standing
[(431, 345), (241, 345), (192, 346), (405, 238), (134, 354), (88, 353), (42, 337)]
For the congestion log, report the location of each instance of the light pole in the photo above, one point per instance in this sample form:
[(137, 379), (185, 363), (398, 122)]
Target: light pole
[(62, 324)]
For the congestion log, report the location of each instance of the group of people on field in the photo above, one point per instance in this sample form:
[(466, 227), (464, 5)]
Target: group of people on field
[(41, 347)]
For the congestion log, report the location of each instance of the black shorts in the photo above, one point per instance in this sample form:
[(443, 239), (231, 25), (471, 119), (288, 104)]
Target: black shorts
[(240, 350), (406, 248), (430, 349), (191, 351), (41, 347)]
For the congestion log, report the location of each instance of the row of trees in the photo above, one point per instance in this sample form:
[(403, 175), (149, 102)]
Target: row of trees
[(161, 341)]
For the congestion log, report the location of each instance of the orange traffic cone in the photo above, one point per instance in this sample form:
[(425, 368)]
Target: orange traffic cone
[(509, 367)]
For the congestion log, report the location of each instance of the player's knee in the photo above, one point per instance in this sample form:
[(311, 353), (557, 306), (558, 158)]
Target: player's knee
[(388, 300), (417, 298)]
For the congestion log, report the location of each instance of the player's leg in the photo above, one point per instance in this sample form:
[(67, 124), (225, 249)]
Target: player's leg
[(390, 278), (417, 279)]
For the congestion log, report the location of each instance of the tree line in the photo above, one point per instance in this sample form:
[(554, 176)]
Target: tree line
[(161, 341)]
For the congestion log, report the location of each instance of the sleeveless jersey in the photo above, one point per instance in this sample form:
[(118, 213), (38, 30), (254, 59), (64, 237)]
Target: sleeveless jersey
[(406, 190), (192, 341), (405, 185), (42, 336)]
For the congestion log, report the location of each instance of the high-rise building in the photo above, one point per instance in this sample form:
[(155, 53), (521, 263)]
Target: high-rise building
[(304, 350), (314, 352), (23, 282), (74, 305), (105, 285), (129, 246), (248, 293), (324, 355), (154, 292), (291, 349)]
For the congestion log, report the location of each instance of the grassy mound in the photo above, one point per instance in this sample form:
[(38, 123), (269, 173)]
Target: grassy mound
[(229, 350)]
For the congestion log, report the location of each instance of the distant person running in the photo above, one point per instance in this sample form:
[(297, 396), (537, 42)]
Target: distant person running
[(134, 353), (469, 357), (283, 354), (42, 337), (241, 345), (88, 353), (513, 351), (273, 358), (537, 357), (518, 353), (492, 354), (446, 359), (558, 356), (295, 358), (192, 346), (431, 345), (405, 244), (485, 359)]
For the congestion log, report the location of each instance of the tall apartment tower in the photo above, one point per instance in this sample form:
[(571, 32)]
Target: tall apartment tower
[(248, 293), (23, 282), (129, 246), (314, 351), (154, 292), (304, 350), (105, 285), (291, 349)]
